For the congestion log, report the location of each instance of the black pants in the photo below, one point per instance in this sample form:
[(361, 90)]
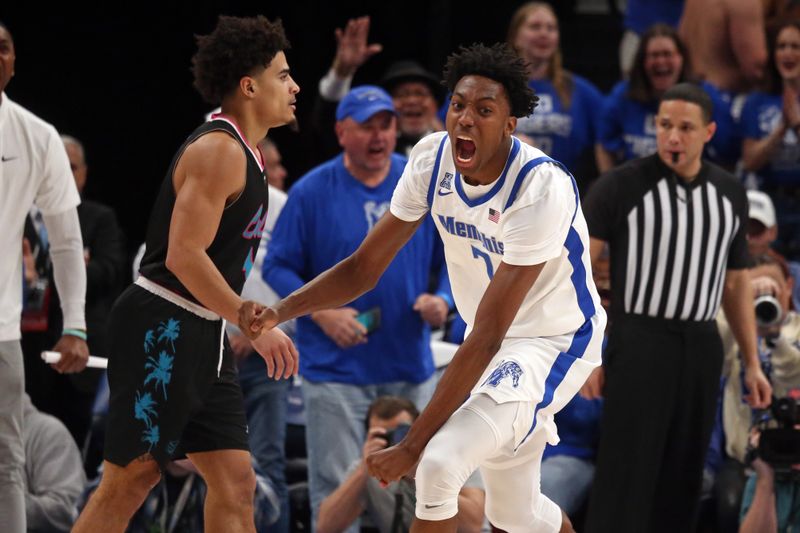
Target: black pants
[(662, 381), (68, 397)]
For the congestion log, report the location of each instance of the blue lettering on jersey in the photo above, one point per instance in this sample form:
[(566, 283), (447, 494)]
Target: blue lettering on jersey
[(504, 369), (470, 231)]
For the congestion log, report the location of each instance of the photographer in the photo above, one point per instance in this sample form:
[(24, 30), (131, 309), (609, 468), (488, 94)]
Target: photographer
[(391, 509), (778, 332), (771, 499), (777, 348)]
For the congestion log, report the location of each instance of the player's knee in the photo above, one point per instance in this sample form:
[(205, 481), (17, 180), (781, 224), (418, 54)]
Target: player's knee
[(144, 479), (133, 482), (237, 487), (434, 473), (437, 487)]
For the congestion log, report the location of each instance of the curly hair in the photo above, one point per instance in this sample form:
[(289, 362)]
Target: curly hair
[(237, 47), (499, 63)]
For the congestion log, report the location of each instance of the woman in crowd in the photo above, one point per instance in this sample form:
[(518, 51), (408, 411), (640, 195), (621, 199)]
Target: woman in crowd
[(770, 127), (627, 124), (564, 124)]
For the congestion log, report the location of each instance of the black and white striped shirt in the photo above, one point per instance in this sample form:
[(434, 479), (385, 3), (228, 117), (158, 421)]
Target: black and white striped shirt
[(670, 242)]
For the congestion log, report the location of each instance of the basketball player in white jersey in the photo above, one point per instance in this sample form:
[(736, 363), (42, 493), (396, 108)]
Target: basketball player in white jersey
[(517, 251)]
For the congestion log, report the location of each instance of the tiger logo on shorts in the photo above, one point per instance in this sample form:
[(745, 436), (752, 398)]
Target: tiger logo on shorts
[(504, 370)]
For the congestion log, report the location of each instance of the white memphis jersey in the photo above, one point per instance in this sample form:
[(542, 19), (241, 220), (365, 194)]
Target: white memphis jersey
[(529, 215)]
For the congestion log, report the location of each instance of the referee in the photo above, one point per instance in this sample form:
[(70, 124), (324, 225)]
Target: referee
[(676, 230)]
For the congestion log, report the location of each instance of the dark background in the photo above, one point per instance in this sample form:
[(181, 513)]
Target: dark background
[(121, 83)]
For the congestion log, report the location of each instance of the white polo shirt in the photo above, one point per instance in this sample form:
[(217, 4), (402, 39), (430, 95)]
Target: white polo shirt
[(34, 169)]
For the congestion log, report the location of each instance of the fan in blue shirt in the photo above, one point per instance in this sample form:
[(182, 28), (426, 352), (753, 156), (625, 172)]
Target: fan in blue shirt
[(565, 123), (627, 124)]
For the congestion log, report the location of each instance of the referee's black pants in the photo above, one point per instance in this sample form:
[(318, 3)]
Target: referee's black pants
[(662, 382)]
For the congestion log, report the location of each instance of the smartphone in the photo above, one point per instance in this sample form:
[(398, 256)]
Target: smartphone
[(370, 319)]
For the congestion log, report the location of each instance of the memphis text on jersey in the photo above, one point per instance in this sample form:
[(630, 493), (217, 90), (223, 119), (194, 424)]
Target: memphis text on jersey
[(462, 229)]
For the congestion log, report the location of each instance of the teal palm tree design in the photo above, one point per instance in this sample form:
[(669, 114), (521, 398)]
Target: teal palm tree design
[(160, 370), (149, 340), (150, 435), (169, 332), (144, 408)]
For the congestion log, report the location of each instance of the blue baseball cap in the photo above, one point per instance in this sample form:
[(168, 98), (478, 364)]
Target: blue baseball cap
[(364, 101)]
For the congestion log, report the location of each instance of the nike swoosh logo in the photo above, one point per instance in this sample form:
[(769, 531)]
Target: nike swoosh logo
[(433, 506), (440, 193), (4, 158)]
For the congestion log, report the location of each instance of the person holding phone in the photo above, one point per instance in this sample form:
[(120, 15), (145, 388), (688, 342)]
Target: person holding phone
[(380, 343), (390, 508)]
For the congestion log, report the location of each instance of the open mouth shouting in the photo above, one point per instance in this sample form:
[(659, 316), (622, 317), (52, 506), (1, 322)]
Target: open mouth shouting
[(465, 150), (787, 68), (376, 150), (663, 77)]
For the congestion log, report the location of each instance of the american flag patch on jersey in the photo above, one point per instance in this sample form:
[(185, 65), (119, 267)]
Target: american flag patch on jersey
[(494, 216)]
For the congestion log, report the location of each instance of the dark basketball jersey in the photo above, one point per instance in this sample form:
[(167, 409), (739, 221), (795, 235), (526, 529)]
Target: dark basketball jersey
[(236, 242)]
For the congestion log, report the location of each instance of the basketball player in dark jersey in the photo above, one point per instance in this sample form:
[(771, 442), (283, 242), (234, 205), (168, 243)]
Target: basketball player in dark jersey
[(172, 377)]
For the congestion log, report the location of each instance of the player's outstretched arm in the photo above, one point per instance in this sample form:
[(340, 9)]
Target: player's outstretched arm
[(210, 173), (496, 312), (348, 279)]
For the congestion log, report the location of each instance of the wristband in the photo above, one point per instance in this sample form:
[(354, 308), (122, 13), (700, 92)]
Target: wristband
[(75, 333), (447, 299)]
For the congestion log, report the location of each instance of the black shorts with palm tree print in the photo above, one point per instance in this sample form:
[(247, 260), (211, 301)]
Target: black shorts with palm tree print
[(167, 397)]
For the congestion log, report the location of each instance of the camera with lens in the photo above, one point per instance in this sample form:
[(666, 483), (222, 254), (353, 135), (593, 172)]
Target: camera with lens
[(780, 446), (397, 434), (769, 312)]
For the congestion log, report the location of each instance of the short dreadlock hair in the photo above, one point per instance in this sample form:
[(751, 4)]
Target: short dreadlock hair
[(499, 63), (237, 47)]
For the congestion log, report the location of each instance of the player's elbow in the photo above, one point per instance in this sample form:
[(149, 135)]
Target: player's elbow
[(177, 261)]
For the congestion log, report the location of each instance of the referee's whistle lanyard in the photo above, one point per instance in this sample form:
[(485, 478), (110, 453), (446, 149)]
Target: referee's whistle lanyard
[(679, 186)]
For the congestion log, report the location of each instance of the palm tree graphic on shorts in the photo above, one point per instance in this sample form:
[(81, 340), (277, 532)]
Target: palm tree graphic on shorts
[(169, 332), (160, 370), (144, 408), (149, 340), (150, 435)]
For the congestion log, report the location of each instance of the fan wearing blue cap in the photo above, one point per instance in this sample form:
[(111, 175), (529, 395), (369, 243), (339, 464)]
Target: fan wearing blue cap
[(363, 102), (366, 128), (380, 343)]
